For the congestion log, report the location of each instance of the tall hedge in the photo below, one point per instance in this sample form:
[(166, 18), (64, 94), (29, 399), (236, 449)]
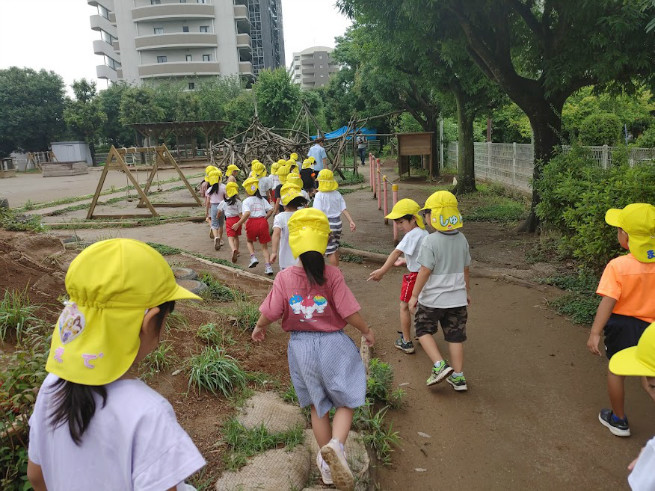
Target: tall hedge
[(600, 129)]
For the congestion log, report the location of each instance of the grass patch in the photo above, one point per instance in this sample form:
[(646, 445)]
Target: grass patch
[(163, 249), (244, 315), (10, 220), (380, 437), (217, 372), (499, 210), (218, 291), (16, 314), (215, 335), (379, 384), (351, 258), (217, 260), (580, 302), (349, 178), (289, 395), (243, 443), (176, 320), (158, 360)]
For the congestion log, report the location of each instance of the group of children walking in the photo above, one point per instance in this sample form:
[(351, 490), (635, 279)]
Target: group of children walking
[(113, 319)]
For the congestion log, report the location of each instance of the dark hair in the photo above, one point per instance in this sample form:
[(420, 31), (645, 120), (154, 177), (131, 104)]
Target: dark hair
[(213, 189), (407, 217), (232, 199), (257, 193), (74, 403), (313, 263), (296, 202)]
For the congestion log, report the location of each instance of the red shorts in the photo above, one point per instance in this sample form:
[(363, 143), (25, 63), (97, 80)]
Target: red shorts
[(228, 225), (257, 229), (408, 286)]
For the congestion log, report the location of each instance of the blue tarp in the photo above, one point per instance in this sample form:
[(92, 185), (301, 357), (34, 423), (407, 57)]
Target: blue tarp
[(341, 131)]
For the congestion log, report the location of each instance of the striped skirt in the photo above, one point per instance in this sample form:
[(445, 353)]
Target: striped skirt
[(326, 370), (335, 235)]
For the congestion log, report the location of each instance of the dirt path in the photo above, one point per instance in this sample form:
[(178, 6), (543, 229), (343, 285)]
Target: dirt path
[(529, 419)]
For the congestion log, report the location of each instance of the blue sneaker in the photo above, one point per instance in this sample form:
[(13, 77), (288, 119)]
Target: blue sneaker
[(618, 427), (439, 373)]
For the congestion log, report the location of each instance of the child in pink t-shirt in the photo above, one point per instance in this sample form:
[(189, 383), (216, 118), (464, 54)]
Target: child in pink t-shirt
[(315, 304)]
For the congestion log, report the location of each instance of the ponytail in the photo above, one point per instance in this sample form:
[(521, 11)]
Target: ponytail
[(213, 189), (75, 404), (313, 263), (231, 200)]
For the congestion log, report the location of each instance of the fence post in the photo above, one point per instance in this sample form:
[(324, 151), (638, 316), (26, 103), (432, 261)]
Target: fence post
[(488, 158), (370, 173), (394, 200), (604, 158), (514, 164), (379, 179), (386, 199)]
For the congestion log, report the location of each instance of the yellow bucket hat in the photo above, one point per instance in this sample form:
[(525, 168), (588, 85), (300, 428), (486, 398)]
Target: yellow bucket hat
[(444, 214), (288, 192), (638, 221), (406, 207), (292, 164), (308, 231), (208, 171), (282, 173), (110, 284), (282, 162), (274, 167), (231, 188), (637, 360), (294, 157), (259, 169), (230, 169), (251, 185), (308, 163), (294, 178), (326, 181), (214, 177)]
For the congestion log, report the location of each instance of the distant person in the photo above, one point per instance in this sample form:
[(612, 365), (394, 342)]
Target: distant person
[(640, 361), (628, 305), (308, 176), (361, 147), (442, 293), (95, 425), (405, 214), (320, 155), (314, 304), (232, 172)]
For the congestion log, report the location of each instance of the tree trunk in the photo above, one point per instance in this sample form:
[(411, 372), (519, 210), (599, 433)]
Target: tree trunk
[(92, 151), (466, 157), (546, 122)]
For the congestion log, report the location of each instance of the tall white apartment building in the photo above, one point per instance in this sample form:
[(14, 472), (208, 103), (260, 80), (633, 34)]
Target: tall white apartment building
[(312, 67), (150, 40)]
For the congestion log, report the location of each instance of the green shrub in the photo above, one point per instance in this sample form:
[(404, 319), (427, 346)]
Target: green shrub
[(647, 138), (244, 315), (159, 359), (600, 129), (575, 195), (379, 384), (218, 291), (213, 334), (580, 301), (16, 314), (215, 371)]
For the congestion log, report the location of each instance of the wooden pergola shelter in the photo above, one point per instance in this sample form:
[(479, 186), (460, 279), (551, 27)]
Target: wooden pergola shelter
[(410, 144), (184, 130), (116, 162)]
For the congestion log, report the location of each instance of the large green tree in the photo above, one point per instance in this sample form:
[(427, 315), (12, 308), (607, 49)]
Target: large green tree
[(85, 115), (278, 98), (31, 109), (114, 132)]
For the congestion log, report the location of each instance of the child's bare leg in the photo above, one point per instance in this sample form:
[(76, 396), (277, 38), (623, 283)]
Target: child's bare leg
[(616, 391), (430, 347), (456, 356), (234, 243), (220, 233), (215, 232), (341, 423), (251, 247), (333, 259), (321, 427), (405, 321), (267, 255)]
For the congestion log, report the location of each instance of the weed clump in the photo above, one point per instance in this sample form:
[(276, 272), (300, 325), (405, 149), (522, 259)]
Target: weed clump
[(215, 371)]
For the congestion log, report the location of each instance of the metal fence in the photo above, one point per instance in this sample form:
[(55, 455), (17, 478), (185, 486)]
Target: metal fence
[(512, 163)]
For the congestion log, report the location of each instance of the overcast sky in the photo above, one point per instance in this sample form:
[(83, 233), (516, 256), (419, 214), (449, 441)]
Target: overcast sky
[(56, 35)]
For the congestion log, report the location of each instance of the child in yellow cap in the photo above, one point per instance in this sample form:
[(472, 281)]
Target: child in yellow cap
[(213, 196), (627, 306), (232, 172), (95, 424), (256, 211), (314, 304), (292, 199), (308, 176), (331, 202), (230, 208), (441, 292), (405, 214)]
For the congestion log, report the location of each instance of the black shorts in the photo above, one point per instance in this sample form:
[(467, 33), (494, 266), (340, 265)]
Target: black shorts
[(621, 332), (453, 322)]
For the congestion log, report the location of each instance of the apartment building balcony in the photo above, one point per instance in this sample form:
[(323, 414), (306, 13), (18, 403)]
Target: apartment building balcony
[(176, 40), (242, 18), (106, 72), (245, 68), (179, 69), (244, 41), (173, 11), (98, 23), (100, 47), (116, 46)]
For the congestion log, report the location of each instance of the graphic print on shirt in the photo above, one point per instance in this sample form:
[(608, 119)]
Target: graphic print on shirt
[(308, 306)]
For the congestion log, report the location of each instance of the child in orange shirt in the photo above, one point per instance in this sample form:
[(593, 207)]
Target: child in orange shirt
[(628, 306)]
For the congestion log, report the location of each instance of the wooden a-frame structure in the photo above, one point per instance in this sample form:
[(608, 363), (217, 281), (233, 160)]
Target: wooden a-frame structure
[(115, 161)]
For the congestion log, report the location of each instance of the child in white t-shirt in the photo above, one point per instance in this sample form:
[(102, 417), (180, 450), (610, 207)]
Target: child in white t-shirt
[(405, 214), (292, 199), (330, 202), (94, 425)]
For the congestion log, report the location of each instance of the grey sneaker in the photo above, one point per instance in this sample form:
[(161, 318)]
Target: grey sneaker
[(458, 382), (253, 261), (404, 346), (439, 373), (335, 457), (268, 269), (326, 475), (618, 427)]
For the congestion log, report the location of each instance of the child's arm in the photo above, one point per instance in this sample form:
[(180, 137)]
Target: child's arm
[(350, 219), (358, 322), (648, 383), (259, 333), (602, 316), (269, 212), (421, 279), (35, 476), (388, 264), (207, 206), (244, 217), (275, 240), (468, 285)]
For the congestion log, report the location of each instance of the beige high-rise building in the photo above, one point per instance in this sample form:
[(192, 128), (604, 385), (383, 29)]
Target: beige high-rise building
[(312, 67), (144, 40)]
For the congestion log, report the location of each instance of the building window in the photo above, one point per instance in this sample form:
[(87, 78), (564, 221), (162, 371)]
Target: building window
[(189, 57), (201, 1), (206, 57), (185, 28), (162, 59), (204, 28), (103, 11), (192, 85), (182, 1), (159, 30), (155, 2)]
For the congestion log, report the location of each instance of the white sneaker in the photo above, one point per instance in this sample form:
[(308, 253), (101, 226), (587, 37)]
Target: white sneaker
[(268, 269), (326, 475), (335, 457), (253, 262)]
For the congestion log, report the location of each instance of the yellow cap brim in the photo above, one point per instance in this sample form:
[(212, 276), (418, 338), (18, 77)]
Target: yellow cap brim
[(613, 217), (625, 362)]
